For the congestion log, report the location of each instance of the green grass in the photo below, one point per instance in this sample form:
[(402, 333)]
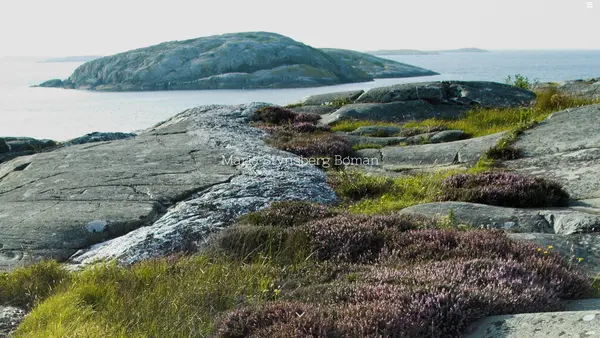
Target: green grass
[(157, 298), (369, 194), (351, 125), (481, 122), (367, 146)]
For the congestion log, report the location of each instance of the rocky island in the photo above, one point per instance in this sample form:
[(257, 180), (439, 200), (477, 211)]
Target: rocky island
[(478, 213), (232, 61)]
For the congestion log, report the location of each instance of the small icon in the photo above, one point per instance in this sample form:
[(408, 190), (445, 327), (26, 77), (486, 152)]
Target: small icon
[(589, 4)]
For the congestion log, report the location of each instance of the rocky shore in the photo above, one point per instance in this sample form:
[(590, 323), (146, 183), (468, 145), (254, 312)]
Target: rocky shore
[(528, 189)]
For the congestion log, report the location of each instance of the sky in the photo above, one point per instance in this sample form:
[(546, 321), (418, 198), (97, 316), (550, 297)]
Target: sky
[(84, 27)]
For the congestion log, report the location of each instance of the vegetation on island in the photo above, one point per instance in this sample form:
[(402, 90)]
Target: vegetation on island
[(358, 268)]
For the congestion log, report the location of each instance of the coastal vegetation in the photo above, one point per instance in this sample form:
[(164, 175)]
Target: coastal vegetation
[(357, 268)]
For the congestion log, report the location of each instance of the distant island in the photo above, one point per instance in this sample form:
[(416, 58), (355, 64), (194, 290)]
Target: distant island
[(82, 58), (232, 61), (420, 52), (401, 52)]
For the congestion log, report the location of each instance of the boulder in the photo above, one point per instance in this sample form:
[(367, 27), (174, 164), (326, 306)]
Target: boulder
[(378, 131), (562, 221), (484, 216), (380, 141), (572, 247), (4, 148), (586, 89), (465, 152), (231, 61), (401, 111), (464, 93), (26, 144), (447, 136), (564, 148), (99, 137), (10, 317), (158, 193), (329, 98), (320, 110), (568, 324)]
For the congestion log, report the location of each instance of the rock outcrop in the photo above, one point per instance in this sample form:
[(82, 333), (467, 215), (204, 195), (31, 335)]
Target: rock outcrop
[(98, 137), (419, 101), (231, 61), (565, 148), (588, 89), (12, 147), (163, 191)]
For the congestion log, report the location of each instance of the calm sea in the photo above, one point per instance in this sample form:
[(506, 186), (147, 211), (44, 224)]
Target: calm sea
[(62, 114)]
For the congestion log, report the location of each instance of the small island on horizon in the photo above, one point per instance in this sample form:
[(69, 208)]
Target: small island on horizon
[(425, 52)]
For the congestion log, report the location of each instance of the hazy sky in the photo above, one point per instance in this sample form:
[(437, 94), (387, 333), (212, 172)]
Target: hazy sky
[(84, 27)]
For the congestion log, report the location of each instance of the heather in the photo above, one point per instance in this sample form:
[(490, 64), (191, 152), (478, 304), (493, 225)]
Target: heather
[(503, 189)]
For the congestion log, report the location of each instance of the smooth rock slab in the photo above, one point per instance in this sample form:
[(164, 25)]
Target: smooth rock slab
[(438, 155), (565, 148), (323, 99), (562, 221), (588, 88), (467, 93), (49, 200), (575, 324), (264, 175), (403, 111), (378, 131), (572, 247)]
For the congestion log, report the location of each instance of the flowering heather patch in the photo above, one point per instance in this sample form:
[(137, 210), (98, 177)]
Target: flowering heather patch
[(439, 299), (307, 118), (274, 115), (359, 238), (503, 189), (315, 145), (287, 214)]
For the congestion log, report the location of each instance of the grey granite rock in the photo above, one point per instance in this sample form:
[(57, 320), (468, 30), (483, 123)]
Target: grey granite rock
[(588, 88), (230, 61), (4, 148), (54, 204), (568, 324), (13, 147), (98, 137), (378, 68), (466, 152), (562, 221), (380, 141), (484, 216), (10, 317), (328, 98), (572, 247), (401, 111), (379, 131), (483, 94), (565, 148), (315, 109), (447, 136)]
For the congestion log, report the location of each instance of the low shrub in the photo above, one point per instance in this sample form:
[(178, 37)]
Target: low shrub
[(287, 214), (307, 118), (27, 286), (355, 185), (313, 145), (503, 189), (274, 115), (359, 238)]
